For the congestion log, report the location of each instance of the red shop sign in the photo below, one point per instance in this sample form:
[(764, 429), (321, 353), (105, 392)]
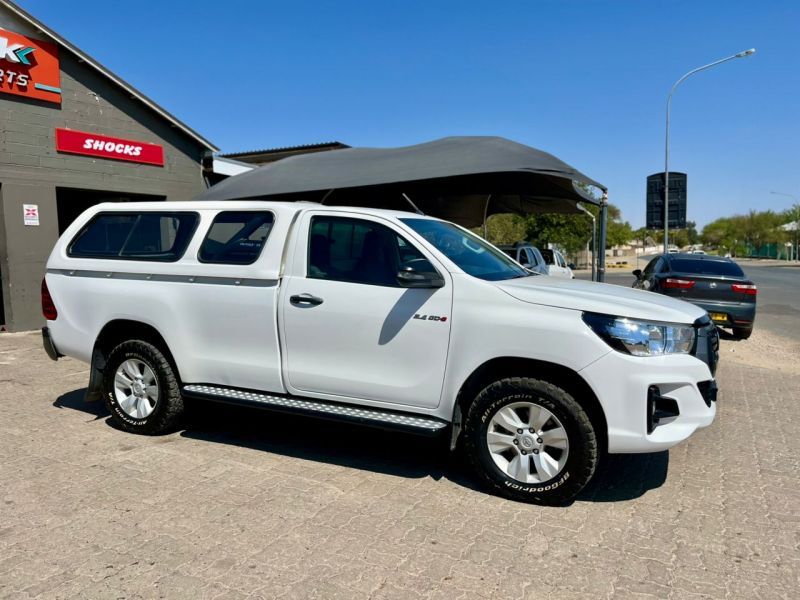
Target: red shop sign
[(104, 146), (29, 67)]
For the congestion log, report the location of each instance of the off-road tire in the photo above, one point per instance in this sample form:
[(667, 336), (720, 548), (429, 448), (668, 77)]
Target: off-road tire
[(583, 449), (169, 405), (742, 333)]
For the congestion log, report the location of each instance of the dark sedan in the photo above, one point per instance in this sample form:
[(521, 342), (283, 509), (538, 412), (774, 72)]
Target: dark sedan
[(711, 282)]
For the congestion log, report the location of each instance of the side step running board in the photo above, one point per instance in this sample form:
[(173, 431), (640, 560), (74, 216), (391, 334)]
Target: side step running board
[(365, 415)]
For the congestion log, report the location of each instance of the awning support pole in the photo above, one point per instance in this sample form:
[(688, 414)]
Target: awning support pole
[(414, 206), (485, 217), (601, 262), (325, 197), (594, 248)]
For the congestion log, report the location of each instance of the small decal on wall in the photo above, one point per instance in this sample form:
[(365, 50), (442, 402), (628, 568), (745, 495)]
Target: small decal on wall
[(30, 214)]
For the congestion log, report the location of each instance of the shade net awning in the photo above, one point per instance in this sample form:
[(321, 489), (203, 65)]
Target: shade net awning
[(460, 179)]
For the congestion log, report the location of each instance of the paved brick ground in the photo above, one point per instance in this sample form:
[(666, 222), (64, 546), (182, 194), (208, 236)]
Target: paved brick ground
[(244, 505)]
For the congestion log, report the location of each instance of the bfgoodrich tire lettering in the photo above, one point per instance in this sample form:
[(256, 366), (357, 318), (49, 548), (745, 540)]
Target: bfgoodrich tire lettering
[(168, 406), (571, 474)]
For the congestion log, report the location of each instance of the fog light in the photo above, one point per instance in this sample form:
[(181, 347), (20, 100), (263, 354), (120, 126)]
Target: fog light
[(659, 407)]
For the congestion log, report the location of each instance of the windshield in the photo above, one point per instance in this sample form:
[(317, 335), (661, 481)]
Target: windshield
[(472, 254)]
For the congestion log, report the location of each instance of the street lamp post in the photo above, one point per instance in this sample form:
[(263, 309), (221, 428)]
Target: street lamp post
[(666, 142), (796, 221), (594, 239)]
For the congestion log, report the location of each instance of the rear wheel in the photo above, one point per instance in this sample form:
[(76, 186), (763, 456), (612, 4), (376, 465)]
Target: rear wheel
[(529, 440), (742, 333), (141, 389)]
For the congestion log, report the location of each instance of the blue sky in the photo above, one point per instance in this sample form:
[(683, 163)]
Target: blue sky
[(585, 80)]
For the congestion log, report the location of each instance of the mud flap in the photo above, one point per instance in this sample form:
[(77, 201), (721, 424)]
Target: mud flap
[(95, 389)]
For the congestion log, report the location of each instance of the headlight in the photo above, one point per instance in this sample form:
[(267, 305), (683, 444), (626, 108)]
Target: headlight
[(641, 338)]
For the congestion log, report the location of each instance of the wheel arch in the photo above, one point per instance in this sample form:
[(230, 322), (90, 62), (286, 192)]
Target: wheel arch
[(564, 377), (111, 335)]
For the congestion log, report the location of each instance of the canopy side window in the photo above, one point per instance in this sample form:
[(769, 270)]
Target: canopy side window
[(236, 237), (149, 236)]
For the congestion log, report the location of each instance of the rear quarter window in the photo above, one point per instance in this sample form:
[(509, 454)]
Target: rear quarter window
[(706, 267), (149, 236), (236, 237)]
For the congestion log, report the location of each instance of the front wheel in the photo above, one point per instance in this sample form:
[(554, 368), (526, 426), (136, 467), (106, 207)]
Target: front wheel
[(529, 440), (141, 389)]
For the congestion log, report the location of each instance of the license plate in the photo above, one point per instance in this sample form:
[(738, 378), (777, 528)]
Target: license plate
[(718, 316)]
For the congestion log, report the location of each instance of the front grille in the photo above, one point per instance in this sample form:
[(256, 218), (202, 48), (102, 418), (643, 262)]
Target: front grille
[(706, 346)]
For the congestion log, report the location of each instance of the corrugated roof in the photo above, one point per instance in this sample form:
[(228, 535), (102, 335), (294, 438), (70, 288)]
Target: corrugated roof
[(319, 146), (108, 74)]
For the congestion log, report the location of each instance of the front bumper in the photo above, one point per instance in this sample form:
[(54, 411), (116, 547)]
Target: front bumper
[(622, 384), (48, 344)]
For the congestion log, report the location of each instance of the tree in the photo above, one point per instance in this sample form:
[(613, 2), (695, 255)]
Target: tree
[(571, 232), (740, 234), (574, 231), (691, 233), (503, 229)]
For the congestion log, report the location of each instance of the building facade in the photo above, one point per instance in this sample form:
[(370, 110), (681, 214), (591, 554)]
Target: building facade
[(73, 134)]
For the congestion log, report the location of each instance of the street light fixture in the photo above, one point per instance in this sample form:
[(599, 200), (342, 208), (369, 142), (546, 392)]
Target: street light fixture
[(666, 143), (796, 208)]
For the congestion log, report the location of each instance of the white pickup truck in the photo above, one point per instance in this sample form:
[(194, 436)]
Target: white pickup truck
[(387, 318)]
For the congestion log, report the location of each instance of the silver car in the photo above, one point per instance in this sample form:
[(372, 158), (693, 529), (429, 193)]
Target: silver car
[(528, 256)]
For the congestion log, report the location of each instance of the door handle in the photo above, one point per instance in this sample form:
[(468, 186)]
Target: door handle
[(305, 299)]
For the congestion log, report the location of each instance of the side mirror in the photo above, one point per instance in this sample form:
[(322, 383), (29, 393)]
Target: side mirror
[(571, 265), (419, 273), (637, 273)]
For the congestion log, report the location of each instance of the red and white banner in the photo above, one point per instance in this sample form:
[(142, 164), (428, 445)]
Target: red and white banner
[(29, 67), (104, 146)]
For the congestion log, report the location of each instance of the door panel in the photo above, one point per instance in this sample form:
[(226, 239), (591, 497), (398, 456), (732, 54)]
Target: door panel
[(372, 341), (231, 327)]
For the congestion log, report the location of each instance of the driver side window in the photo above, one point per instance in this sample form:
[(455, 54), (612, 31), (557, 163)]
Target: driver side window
[(357, 251), (651, 266)]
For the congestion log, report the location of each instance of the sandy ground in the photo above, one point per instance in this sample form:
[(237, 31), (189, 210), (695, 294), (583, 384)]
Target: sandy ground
[(764, 349)]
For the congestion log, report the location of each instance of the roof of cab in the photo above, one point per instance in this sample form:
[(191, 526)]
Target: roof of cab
[(711, 257)]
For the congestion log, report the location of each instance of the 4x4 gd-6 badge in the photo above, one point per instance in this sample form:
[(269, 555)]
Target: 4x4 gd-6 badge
[(430, 317)]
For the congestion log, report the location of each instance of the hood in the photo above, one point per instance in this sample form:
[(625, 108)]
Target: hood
[(601, 298)]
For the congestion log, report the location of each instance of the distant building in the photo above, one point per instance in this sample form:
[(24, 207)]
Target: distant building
[(262, 157), (221, 166)]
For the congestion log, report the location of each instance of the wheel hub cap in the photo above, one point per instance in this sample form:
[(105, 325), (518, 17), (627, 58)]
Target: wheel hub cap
[(527, 442), (136, 388)]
